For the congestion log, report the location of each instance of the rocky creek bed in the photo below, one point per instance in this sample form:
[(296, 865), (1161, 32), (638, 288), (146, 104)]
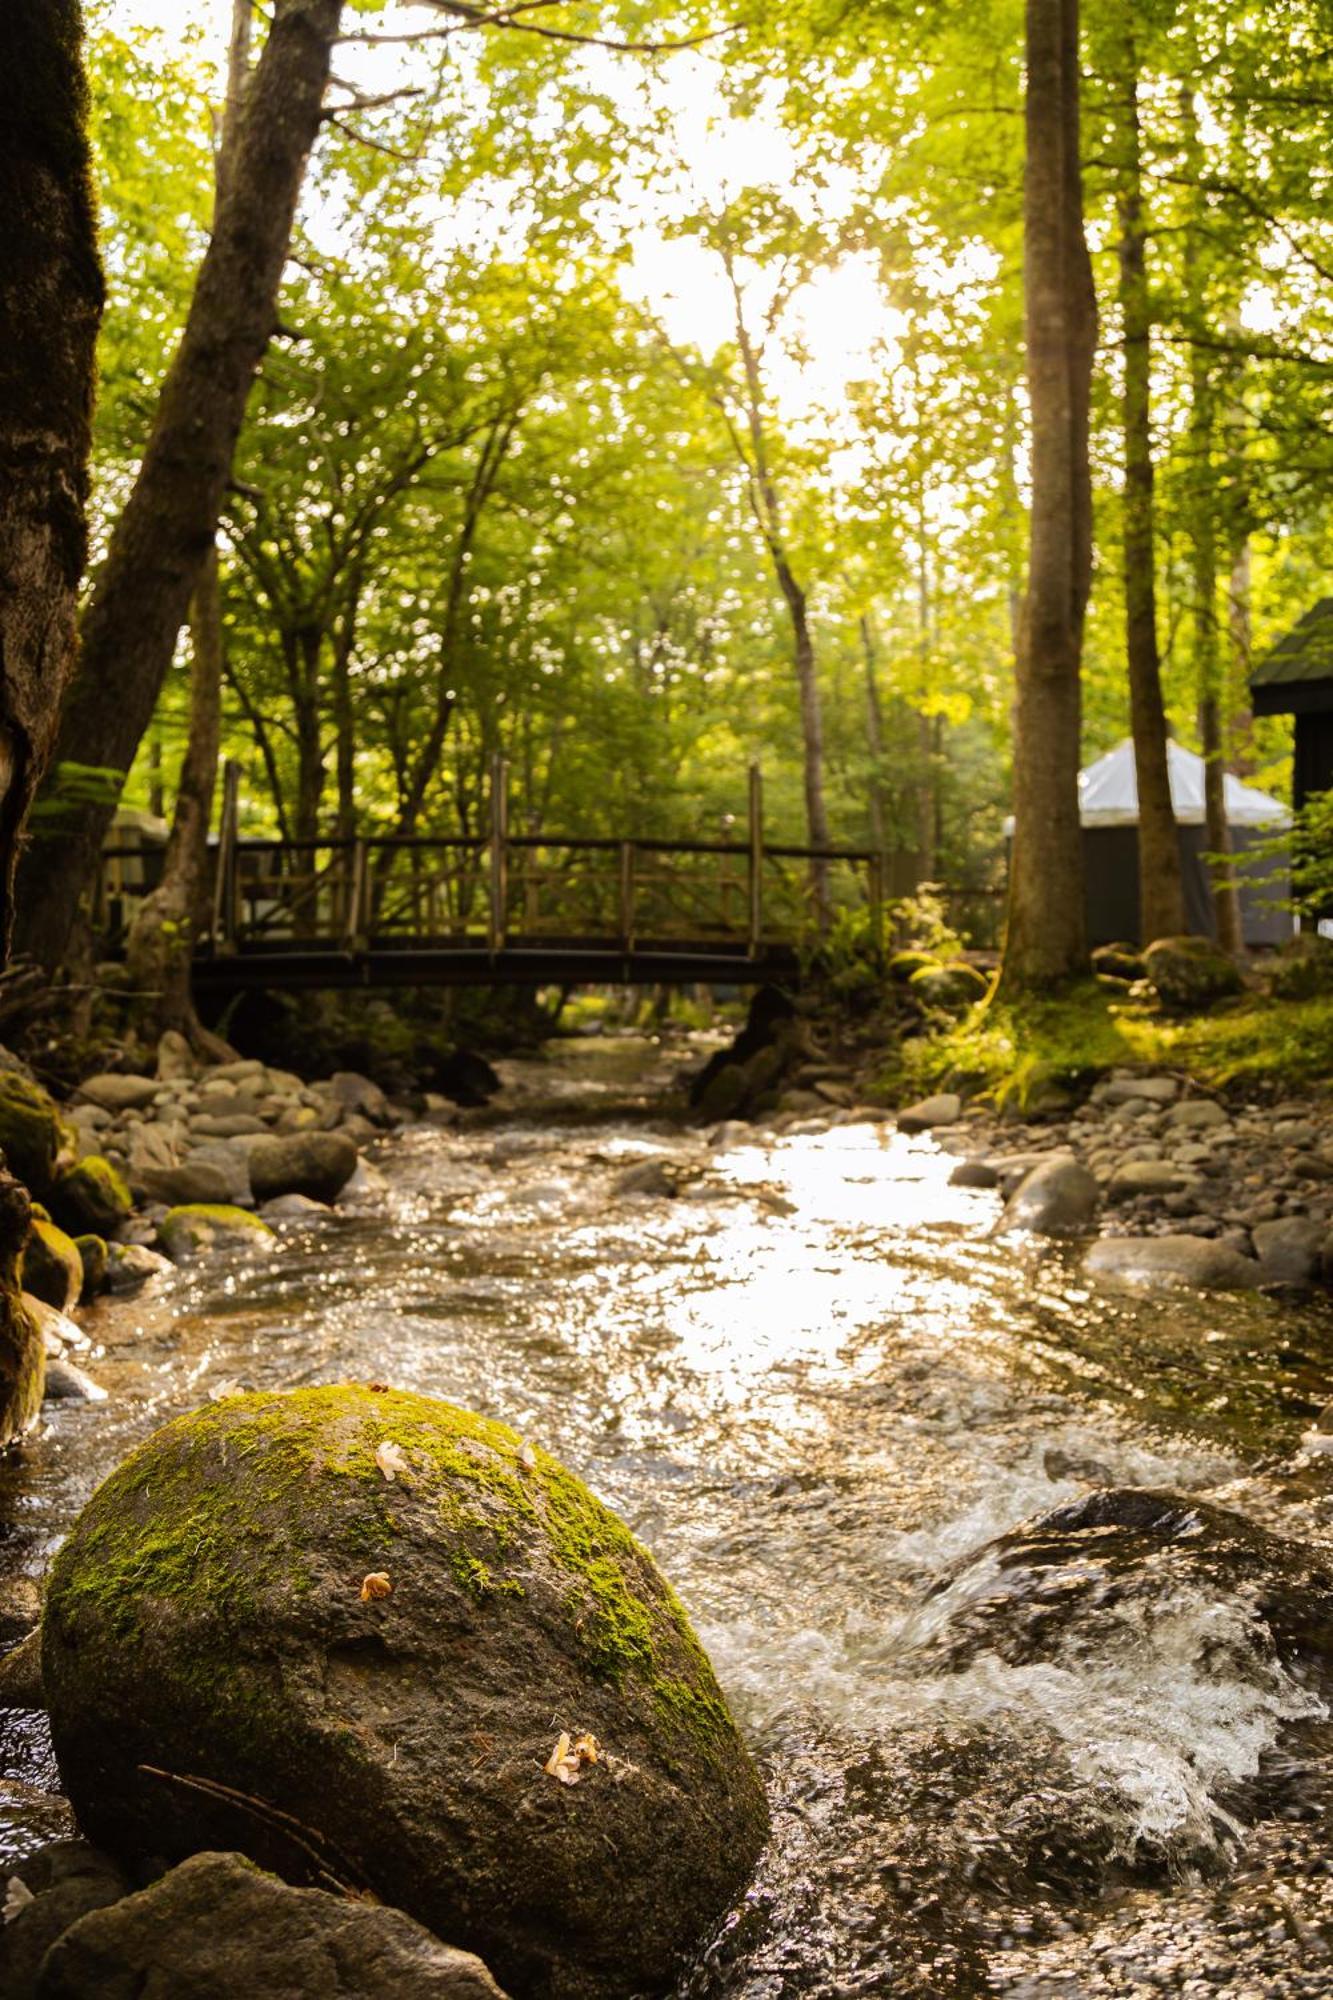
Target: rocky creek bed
[(1012, 1572)]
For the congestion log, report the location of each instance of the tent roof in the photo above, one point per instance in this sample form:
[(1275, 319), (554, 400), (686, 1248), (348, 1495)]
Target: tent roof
[(1304, 656), (1108, 792)]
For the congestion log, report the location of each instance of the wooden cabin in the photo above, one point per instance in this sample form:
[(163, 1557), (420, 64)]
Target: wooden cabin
[(1296, 679)]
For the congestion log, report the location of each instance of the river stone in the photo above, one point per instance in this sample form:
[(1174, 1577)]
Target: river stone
[(22, 1347), (29, 1131), (1058, 1198), (1197, 1114), (195, 1229), (66, 1382), (206, 1616), (944, 1109), (130, 1265), (93, 1257), (67, 1879), (318, 1164), (52, 1269), (1190, 972), (217, 1928), (975, 1174), (91, 1198), (1289, 1249), (1174, 1260), (1148, 1176), (120, 1093), (175, 1058), (293, 1208), (229, 1125), (361, 1095), (1136, 1090)]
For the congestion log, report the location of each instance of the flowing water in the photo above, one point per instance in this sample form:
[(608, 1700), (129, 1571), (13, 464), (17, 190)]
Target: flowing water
[(1092, 1760)]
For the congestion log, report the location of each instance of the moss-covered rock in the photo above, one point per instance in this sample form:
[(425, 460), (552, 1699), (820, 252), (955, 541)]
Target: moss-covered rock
[(51, 1268), (29, 1132), (22, 1349), (199, 1227), (253, 1603), (949, 987), (91, 1198), (1188, 973), (95, 1258)]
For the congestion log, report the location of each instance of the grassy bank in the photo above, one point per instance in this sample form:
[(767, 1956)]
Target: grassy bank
[(1005, 1051)]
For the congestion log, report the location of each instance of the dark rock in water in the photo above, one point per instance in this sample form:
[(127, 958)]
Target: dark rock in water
[(1084, 1566), (1058, 1198), (94, 1257), (392, 1622), (318, 1164), (52, 1268), (975, 1174), (196, 1229), (91, 1198), (22, 1345), (772, 1015), (66, 1881), (466, 1078), (21, 1676), (723, 1095), (217, 1928), (1289, 1249)]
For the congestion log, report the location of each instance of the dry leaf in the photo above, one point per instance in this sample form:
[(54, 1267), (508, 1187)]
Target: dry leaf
[(391, 1460), (17, 1896), (527, 1457), (567, 1760), (375, 1585), (378, 1388)]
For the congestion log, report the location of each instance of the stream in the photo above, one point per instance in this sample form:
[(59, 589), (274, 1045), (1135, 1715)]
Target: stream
[(817, 1387)]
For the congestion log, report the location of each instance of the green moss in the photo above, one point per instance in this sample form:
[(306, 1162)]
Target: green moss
[(218, 1212), (52, 1269), (91, 1197), (29, 1131)]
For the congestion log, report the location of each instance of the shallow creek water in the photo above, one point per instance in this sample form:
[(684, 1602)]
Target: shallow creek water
[(817, 1387)]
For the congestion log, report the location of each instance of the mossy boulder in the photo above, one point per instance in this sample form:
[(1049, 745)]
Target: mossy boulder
[(377, 1670), (91, 1198), (318, 1164), (29, 1132), (22, 1348), (1190, 973), (1304, 969), (952, 988), (95, 1258), (51, 1268), (196, 1229)]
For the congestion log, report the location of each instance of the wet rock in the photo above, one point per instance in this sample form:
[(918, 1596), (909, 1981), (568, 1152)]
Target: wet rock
[(29, 1132), (1190, 972), (217, 1928), (196, 1229), (1151, 1177), (1289, 1248), (93, 1257), (208, 1615), (1174, 1260), (466, 1078), (293, 1208), (975, 1174), (1196, 1114), (22, 1348), (117, 1093), (723, 1095), (318, 1164), (51, 1268), (648, 1177), (69, 1384), (1058, 1198), (91, 1198), (58, 1331), (67, 1880), (21, 1687), (131, 1265), (944, 1109), (360, 1096), (214, 1172)]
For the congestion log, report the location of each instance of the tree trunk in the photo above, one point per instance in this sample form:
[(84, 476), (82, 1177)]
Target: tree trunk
[(50, 309), (1161, 884), (162, 536), (1046, 942), (874, 741), (161, 944)]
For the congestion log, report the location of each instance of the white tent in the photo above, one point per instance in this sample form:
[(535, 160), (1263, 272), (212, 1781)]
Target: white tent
[(1108, 792)]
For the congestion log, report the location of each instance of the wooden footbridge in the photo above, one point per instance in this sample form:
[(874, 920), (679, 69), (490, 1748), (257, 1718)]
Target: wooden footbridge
[(506, 908)]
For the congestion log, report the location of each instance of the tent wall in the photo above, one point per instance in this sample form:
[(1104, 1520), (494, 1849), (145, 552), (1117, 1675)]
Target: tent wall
[(1111, 875)]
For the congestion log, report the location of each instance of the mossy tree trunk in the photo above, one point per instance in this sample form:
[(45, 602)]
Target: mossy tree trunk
[(1045, 942), (1161, 882), (50, 310), (160, 541)]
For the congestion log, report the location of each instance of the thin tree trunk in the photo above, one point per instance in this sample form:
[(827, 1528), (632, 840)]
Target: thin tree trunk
[(874, 739), (50, 309), (1161, 884), (1046, 941), (160, 951), (135, 615)]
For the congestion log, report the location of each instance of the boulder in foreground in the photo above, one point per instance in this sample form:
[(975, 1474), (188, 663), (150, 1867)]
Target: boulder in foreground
[(316, 1164), (1174, 1260), (378, 1616), (217, 1928), (1058, 1198)]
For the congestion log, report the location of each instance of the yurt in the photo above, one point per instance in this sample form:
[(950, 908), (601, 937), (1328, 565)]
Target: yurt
[(1108, 796)]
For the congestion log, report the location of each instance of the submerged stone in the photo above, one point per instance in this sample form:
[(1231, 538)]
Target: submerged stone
[(376, 1616)]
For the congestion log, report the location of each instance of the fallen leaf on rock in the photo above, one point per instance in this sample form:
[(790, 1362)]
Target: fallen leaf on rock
[(391, 1460), (375, 1585), (567, 1760), (379, 1388), (527, 1457), (18, 1895)]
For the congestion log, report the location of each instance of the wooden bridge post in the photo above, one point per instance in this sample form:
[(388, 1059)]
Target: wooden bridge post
[(627, 894), (225, 885), (355, 926), (499, 883), (756, 859)]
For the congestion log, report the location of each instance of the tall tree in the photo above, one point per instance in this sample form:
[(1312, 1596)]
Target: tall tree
[(163, 534), (50, 308), (1045, 941), (1161, 883)]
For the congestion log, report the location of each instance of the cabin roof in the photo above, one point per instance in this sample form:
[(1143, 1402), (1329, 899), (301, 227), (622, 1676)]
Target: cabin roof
[(1304, 658)]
